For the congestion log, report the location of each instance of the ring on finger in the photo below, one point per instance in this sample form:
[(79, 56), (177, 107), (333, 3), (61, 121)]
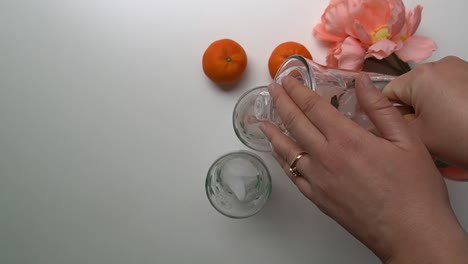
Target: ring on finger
[(293, 165)]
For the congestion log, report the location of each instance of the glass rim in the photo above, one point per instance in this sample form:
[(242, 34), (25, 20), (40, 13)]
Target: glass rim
[(310, 72), (243, 152)]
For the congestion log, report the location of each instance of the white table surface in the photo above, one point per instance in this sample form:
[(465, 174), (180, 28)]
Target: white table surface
[(108, 126)]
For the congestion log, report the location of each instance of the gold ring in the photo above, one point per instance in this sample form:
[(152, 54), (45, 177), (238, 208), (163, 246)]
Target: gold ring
[(293, 167)]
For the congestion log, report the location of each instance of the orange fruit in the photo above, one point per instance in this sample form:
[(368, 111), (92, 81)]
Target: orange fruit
[(282, 52), (224, 62)]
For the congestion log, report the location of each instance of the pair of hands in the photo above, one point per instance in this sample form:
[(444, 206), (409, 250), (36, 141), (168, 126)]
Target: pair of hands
[(385, 190)]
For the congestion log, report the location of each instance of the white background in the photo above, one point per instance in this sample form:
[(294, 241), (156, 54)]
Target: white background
[(108, 126)]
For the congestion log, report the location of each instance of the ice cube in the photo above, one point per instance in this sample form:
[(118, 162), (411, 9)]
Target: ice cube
[(238, 173)]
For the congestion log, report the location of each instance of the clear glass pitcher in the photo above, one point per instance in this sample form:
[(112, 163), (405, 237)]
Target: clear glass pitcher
[(334, 85)]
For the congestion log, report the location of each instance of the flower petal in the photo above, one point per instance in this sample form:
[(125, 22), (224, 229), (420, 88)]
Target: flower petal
[(354, 6), (397, 18), (332, 56), (413, 18), (335, 2), (322, 34), (351, 62), (336, 21), (381, 49), (361, 33), (416, 49), (351, 55), (336, 18), (373, 14)]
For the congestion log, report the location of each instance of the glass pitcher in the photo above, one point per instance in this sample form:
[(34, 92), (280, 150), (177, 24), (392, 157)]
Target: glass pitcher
[(334, 85)]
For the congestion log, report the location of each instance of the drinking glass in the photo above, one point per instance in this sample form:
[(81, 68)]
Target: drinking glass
[(245, 122), (238, 184), (334, 85)]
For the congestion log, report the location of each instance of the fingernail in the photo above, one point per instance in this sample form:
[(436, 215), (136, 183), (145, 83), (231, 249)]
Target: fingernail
[(271, 87), (286, 80), (262, 127), (366, 82)]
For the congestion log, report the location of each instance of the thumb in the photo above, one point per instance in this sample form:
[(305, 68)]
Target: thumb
[(386, 118), (401, 89)]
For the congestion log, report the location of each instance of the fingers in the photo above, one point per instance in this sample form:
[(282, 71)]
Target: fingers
[(405, 110), (302, 183), (385, 117), (401, 89), (320, 112), (285, 151), (294, 119), (409, 118), (284, 146)]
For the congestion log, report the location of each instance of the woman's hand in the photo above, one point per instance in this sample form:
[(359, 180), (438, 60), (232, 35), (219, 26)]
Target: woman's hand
[(385, 190), (438, 92)]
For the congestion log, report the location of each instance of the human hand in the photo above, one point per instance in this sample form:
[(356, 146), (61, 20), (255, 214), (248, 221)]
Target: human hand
[(438, 92), (385, 190)]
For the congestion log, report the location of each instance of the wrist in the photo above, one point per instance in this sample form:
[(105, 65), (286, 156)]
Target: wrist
[(441, 241), (456, 252)]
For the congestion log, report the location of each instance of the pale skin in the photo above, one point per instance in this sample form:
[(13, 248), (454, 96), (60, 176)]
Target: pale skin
[(439, 94), (383, 189)]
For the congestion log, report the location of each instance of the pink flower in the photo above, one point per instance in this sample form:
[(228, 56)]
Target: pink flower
[(348, 55), (336, 21), (361, 29), (377, 20), (414, 48)]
